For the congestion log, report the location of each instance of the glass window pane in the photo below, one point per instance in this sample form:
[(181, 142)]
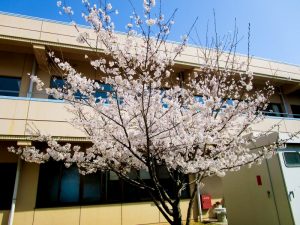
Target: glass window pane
[(292, 159), (133, 174), (113, 188), (296, 111), (103, 92), (79, 95), (113, 176), (57, 82), (199, 99), (7, 177), (144, 194), (48, 186), (102, 95), (131, 193), (10, 86), (144, 174), (91, 188), (106, 87), (70, 184), (230, 101), (162, 173), (274, 109)]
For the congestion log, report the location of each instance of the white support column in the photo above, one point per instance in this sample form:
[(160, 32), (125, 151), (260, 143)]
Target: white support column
[(16, 186), (199, 201), (14, 199)]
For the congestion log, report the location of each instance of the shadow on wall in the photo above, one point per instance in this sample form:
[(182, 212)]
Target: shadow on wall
[(4, 217)]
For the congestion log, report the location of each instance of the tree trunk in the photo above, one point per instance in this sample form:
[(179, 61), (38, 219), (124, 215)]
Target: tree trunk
[(177, 218), (189, 212)]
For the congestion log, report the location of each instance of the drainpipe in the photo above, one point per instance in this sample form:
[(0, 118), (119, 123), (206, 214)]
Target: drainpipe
[(284, 102), (199, 201), (33, 73), (14, 199)]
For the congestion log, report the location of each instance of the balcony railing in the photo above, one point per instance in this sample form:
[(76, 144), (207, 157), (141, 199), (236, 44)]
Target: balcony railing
[(278, 114), (43, 97)]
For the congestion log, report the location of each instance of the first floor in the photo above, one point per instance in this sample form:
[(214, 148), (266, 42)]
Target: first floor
[(51, 194)]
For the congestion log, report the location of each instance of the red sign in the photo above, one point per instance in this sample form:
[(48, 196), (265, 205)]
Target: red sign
[(206, 201), (258, 180)]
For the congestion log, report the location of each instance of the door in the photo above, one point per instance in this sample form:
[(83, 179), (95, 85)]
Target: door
[(290, 163)]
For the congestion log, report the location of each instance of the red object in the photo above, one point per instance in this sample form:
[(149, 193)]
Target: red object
[(258, 180), (206, 201)]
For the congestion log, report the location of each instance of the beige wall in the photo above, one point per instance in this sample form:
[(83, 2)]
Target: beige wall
[(248, 203), (52, 118)]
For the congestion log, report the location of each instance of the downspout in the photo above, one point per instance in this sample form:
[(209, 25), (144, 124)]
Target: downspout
[(14, 199), (199, 201), (33, 73), (284, 102)]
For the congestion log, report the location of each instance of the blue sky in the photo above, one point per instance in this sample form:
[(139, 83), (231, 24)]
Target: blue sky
[(275, 24)]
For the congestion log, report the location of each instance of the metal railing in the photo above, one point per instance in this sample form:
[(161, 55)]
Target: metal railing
[(43, 96)]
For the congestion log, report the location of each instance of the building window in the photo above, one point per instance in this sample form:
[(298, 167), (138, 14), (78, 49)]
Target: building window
[(102, 93), (199, 98), (292, 159), (274, 109), (10, 86), (7, 177), (61, 186), (56, 82), (296, 111)]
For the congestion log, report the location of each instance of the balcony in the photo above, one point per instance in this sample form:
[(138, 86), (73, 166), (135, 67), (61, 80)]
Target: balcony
[(20, 114)]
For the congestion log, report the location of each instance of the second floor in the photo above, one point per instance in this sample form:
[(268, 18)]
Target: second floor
[(21, 106)]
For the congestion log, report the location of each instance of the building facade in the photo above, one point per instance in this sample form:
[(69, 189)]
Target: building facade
[(43, 196)]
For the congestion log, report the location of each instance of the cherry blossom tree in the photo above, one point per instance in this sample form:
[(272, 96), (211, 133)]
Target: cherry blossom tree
[(198, 126)]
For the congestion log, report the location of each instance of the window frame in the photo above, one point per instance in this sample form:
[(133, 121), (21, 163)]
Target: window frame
[(288, 165), (106, 197)]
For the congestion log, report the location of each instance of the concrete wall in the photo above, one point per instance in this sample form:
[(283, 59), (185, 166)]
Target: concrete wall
[(248, 203)]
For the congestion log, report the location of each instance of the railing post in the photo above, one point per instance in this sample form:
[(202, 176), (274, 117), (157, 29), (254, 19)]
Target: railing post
[(287, 108)]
